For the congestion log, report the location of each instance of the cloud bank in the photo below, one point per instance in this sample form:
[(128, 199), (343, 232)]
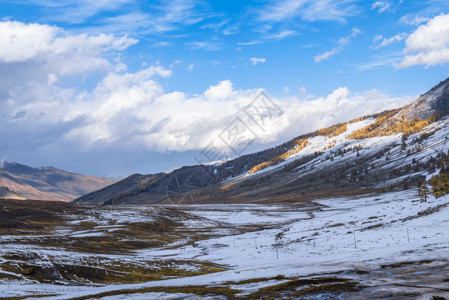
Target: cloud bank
[(44, 109), (428, 45)]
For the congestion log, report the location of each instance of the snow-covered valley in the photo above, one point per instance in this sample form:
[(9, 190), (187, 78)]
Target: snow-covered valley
[(386, 245)]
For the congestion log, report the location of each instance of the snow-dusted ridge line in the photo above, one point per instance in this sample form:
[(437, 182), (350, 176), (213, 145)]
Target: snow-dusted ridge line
[(438, 142)]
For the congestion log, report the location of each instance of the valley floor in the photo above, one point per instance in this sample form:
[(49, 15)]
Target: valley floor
[(389, 245)]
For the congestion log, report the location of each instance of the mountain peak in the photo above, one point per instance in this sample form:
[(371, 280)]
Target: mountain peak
[(442, 85), (440, 97), (436, 100)]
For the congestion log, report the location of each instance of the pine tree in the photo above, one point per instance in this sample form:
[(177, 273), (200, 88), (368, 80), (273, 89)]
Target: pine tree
[(440, 185), (444, 183), (423, 192)]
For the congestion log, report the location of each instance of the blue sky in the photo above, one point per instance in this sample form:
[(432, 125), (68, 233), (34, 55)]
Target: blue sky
[(116, 87)]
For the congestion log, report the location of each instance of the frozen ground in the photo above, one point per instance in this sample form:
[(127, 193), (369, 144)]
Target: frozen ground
[(385, 243)]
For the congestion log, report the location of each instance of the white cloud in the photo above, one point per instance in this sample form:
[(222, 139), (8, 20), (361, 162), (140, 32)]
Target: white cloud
[(378, 62), (176, 62), (256, 60), (281, 35), (309, 10), (222, 90), (78, 11), (161, 44), (413, 20), (126, 15), (175, 12), (378, 37), (355, 32), (224, 26), (50, 47), (190, 67), (342, 42), (428, 45), (159, 17), (326, 55), (52, 78), (388, 41), (381, 6), (205, 45), (249, 43), (131, 111)]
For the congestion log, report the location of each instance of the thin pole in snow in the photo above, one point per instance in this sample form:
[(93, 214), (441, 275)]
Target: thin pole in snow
[(255, 241), (408, 236), (355, 242), (234, 242)]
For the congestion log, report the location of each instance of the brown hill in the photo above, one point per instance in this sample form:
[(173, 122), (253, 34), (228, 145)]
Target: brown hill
[(47, 183)]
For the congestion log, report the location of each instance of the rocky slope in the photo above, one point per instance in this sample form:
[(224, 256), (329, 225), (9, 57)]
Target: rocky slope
[(390, 150), (435, 100)]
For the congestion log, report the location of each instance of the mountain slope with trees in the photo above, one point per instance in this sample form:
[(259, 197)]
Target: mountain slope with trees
[(395, 149)]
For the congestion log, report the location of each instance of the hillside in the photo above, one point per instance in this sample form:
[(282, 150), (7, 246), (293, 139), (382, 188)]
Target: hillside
[(6, 193), (391, 150), (46, 183)]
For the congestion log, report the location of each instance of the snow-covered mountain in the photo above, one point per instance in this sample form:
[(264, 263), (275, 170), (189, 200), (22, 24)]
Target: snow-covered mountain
[(387, 151), (435, 100)]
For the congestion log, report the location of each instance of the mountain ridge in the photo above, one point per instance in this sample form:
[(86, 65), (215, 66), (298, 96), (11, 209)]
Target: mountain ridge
[(339, 159), (47, 183)]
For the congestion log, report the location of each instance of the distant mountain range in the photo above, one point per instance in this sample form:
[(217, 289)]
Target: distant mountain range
[(391, 150), (22, 182)]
